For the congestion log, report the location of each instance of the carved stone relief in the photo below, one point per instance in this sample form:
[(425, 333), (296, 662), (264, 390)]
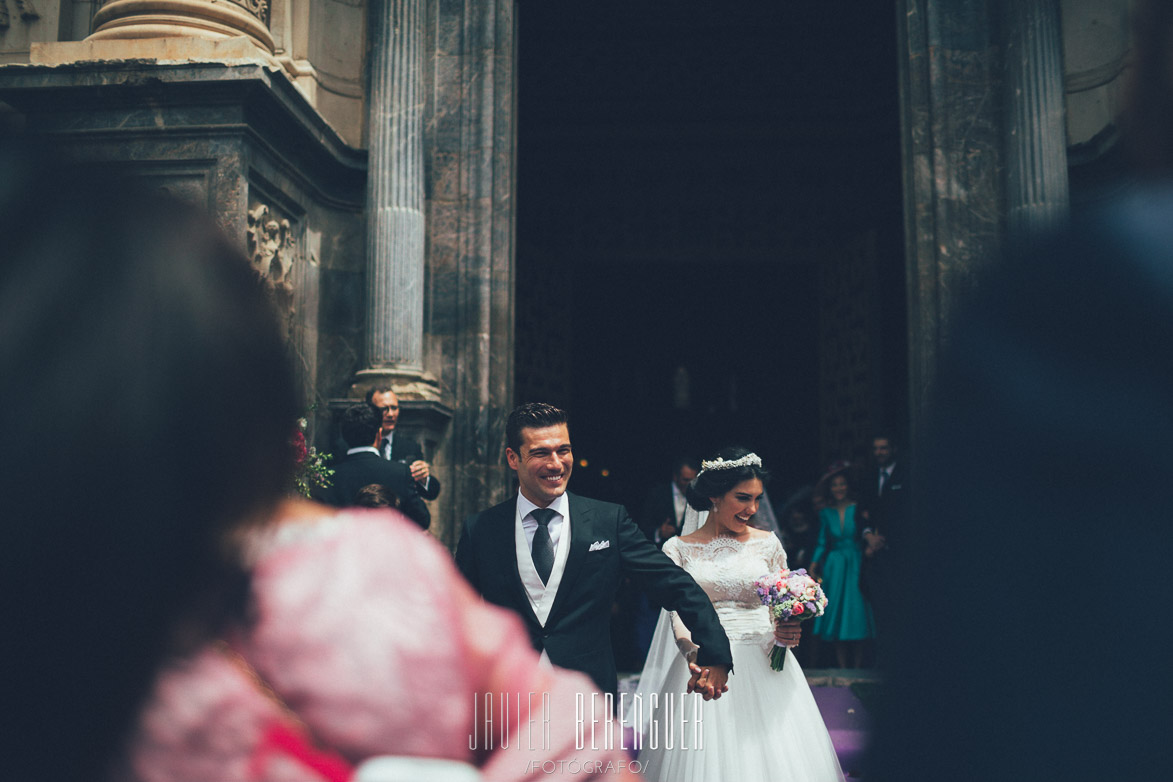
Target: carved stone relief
[(23, 8), (272, 248)]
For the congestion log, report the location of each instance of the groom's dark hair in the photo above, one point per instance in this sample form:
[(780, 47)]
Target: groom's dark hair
[(531, 415)]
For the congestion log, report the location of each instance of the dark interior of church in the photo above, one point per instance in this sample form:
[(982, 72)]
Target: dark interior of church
[(714, 192)]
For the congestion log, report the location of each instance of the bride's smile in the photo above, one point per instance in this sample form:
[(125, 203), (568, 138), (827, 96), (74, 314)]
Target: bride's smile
[(733, 511)]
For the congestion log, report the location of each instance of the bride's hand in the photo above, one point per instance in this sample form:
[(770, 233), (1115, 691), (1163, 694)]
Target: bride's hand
[(788, 633)]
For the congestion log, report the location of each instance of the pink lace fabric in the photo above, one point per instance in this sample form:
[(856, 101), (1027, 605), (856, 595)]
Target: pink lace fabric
[(366, 631)]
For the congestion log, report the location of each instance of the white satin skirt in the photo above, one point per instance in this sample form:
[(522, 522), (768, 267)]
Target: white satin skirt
[(766, 728)]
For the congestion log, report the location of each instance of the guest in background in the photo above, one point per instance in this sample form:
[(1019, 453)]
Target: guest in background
[(800, 530), (362, 465), (847, 620), (663, 508), (800, 537), (396, 447), (886, 502), (660, 517), (375, 495)]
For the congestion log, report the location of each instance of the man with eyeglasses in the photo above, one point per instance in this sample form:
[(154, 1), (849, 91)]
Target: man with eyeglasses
[(397, 448)]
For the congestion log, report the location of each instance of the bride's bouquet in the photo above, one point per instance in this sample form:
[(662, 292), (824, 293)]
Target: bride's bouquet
[(790, 595)]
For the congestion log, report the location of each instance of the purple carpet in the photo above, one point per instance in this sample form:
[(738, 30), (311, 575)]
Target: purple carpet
[(847, 722)]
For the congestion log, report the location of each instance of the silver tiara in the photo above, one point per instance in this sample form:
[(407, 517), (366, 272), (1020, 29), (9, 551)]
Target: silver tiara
[(750, 459)]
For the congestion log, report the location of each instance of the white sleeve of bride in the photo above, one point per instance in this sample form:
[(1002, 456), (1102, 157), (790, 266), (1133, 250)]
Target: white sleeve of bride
[(682, 634), (777, 557)]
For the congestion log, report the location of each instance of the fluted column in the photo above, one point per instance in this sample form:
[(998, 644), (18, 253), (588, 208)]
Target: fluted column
[(395, 188), (1036, 154)]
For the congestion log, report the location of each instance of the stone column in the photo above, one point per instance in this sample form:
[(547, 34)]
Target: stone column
[(395, 190), (1036, 132), (470, 140), (395, 259), (984, 151), (954, 184)]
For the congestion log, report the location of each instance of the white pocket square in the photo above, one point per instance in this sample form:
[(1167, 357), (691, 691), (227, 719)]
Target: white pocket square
[(599, 545)]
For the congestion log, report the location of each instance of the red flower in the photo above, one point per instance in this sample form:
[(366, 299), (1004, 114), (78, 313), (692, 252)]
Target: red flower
[(300, 452)]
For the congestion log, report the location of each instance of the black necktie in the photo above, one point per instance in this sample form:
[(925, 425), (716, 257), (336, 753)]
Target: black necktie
[(385, 450), (543, 548)]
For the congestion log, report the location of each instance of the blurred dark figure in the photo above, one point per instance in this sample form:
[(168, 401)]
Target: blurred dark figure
[(375, 496), (800, 530), (141, 361), (660, 517), (1039, 652)]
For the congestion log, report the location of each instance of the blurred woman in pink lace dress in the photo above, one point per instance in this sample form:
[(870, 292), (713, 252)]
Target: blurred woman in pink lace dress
[(365, 640)]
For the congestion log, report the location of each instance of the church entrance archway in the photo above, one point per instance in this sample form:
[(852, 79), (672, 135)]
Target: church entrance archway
[(709, 233)]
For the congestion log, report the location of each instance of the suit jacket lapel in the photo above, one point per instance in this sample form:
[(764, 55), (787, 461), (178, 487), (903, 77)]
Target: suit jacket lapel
[(581, 527)]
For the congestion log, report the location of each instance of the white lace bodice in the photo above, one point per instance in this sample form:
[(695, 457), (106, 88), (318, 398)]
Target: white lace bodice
[(727, 569)]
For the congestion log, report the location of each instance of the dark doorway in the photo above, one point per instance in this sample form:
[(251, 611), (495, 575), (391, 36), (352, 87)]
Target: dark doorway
[(700, 187)]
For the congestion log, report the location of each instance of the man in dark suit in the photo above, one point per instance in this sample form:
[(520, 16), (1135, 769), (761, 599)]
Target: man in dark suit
[(887, 494), (398, 448), (885, 499), (556, 559), (363, 466), (663, 509)]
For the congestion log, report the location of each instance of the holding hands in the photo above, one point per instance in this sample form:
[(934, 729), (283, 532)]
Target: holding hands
[(709, 681)]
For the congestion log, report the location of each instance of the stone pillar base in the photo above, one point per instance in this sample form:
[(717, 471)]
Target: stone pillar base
[(408, 384), (424, 411), (238, 49)]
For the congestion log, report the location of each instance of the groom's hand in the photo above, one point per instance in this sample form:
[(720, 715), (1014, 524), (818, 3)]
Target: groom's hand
[(708, 681)]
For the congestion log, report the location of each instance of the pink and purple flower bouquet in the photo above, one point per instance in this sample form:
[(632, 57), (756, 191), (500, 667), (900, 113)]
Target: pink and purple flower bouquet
[(791, 595)]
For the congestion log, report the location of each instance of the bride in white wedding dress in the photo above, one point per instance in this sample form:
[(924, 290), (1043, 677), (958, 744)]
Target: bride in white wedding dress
[(767, 726)]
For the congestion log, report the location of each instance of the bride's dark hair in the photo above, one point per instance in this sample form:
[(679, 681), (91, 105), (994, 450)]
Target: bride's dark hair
[(714, 483)]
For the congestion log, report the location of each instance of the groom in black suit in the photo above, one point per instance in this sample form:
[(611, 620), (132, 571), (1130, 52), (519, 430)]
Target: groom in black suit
[(556, 560)]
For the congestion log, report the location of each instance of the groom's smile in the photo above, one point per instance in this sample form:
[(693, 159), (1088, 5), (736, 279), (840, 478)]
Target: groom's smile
[(543, 463)]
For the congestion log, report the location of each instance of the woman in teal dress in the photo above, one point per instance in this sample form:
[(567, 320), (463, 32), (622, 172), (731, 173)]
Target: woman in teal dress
[(838, 557)]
